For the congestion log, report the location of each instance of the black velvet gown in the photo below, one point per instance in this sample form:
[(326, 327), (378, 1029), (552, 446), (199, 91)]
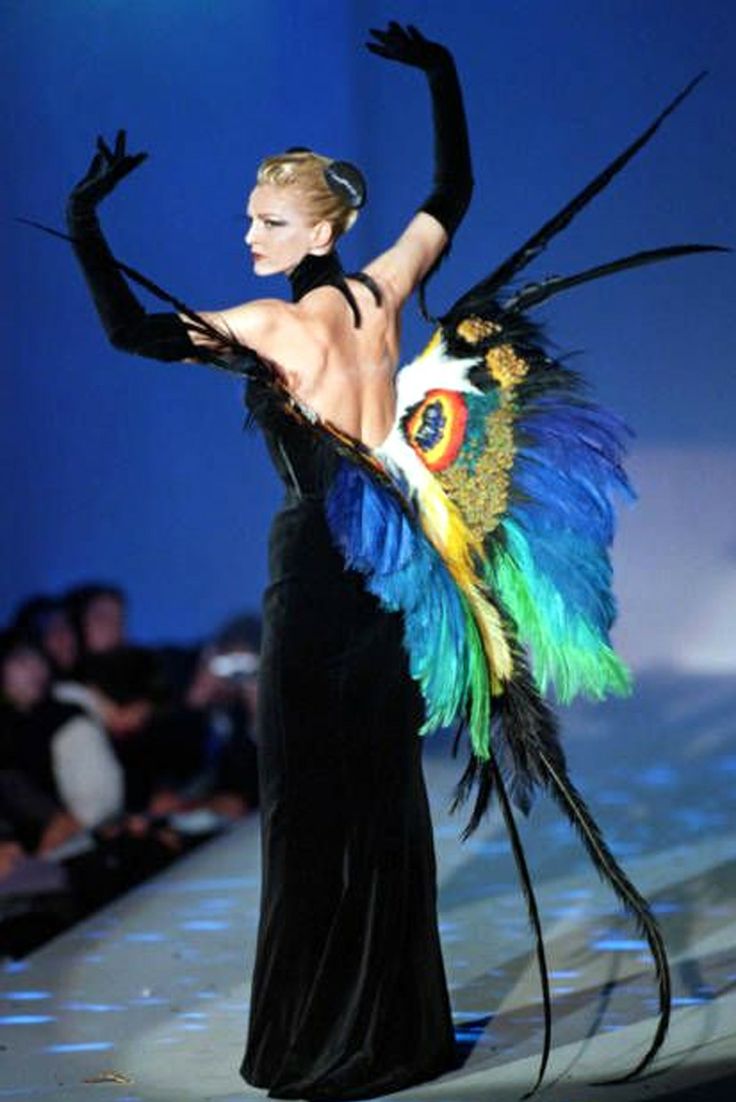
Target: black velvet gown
[(349, 998)]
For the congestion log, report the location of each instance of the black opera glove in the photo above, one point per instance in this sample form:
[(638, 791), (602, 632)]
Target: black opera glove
[(107, 168), (408, 46), (128, 326), (453, 176)]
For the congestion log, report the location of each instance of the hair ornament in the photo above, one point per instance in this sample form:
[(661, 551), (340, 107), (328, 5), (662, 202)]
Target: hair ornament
[(348, 182), (343, 178)]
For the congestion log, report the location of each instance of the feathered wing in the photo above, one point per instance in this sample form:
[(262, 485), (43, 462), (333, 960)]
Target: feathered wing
[(499, 554)]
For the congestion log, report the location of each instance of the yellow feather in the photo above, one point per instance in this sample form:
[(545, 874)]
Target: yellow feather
[(460, 549)]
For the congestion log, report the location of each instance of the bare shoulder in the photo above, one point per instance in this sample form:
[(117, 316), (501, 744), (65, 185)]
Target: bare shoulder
[(250, 323)]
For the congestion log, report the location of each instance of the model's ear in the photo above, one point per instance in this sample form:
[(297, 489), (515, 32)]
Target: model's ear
[(322, 236)]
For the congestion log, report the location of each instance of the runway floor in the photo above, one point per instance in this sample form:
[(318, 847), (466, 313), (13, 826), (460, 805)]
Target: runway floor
[(147, 1000)]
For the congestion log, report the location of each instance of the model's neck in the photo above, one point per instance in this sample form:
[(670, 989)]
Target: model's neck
[(315, 271)]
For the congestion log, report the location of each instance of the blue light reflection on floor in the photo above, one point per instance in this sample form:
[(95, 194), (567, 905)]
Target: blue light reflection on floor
[(26, 1019), (658, 776), (619, 945), (26, 996), (24, 1093), (203, 884), (204, 924), (665, 907), (82, 1046)]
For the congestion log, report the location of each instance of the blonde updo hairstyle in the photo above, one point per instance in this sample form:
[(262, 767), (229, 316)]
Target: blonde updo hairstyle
[(304, 171)]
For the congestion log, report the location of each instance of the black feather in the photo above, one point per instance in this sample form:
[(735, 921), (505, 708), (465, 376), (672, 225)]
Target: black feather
[(474, 301), (535, 293), (534, 919), (527, 754), (572, 804)]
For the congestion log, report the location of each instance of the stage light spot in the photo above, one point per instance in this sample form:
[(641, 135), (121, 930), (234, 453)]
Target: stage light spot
[(205, 924), (619, 945), (88, 1046), (25, 1019)]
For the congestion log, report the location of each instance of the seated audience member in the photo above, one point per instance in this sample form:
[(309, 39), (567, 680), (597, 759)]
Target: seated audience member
[(98, 611), (57, 747), (130, 696), (46, 620), (224, 690), (30, 821), (157, 747)]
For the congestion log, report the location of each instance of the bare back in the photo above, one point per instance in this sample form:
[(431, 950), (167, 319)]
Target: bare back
[(344, 373)]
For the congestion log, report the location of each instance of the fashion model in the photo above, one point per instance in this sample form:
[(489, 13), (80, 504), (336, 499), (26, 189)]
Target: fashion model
[(441, 556)]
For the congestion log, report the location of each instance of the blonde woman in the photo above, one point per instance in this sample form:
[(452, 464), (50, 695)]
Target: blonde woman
[(349, 995)]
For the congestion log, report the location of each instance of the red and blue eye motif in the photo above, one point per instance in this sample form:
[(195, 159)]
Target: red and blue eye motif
[(436, 428)]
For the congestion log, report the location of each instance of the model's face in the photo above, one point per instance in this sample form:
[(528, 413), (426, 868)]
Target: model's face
[(280, 233)]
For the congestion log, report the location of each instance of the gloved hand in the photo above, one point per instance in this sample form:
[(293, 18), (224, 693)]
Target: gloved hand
[(409, 46), (107, 168), (128, 326)]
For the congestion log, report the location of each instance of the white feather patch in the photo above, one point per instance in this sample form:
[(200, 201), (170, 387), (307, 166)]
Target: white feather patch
[(433, 370)]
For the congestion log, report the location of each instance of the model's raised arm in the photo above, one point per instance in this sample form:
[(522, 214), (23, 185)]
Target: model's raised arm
[(162, 336), (412, 258)]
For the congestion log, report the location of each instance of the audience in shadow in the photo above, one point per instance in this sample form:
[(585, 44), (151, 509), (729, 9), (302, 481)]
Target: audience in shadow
[(114, 757)]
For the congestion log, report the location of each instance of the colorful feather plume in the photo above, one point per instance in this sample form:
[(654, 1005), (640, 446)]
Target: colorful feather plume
[(498, 553)]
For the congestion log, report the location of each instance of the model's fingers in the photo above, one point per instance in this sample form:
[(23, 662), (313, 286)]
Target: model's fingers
[(104, 148), (120, 144), (129, 164), (382, 36), (95, 166), (379, 50)]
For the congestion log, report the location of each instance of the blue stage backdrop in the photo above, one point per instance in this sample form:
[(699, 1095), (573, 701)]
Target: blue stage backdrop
[(140, 472)]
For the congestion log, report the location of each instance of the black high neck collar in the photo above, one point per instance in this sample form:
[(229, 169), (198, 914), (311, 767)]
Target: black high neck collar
[(327, 271), (316, 271)]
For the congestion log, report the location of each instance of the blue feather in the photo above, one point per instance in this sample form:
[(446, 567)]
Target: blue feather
[(405, 572)]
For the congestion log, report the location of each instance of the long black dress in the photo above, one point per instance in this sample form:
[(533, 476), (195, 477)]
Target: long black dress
[(349, 998)]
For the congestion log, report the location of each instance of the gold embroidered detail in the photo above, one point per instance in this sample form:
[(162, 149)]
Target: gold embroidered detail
[(506, 367), (473, 330), (503, 363), (482, 493)]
